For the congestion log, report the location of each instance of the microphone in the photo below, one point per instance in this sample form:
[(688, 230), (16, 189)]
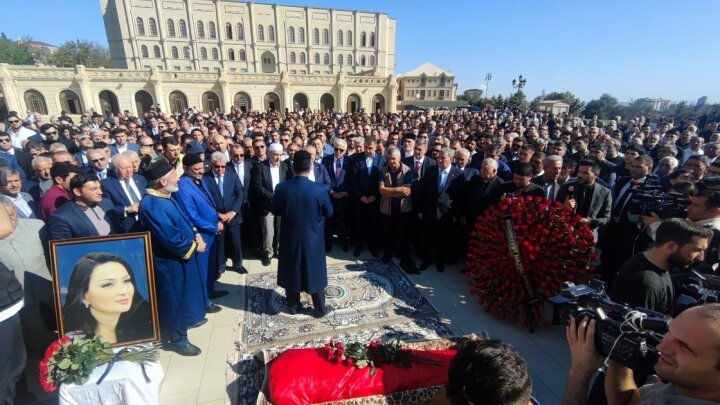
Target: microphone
[(571, 191)]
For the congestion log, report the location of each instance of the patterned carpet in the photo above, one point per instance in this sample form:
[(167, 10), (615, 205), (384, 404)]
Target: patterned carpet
[(372, 300)]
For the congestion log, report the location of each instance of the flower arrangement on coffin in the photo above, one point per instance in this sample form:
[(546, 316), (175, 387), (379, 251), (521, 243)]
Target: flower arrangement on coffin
[(72, 360), (372, 354), (512, 278)]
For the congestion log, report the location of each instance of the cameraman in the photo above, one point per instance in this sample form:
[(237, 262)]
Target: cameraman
[(689, 362)]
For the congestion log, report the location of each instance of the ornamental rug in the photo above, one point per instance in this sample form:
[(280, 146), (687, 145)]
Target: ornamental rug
[(362, 295)]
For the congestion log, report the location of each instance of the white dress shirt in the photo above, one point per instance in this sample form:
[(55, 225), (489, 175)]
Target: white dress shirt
[(275, 175)]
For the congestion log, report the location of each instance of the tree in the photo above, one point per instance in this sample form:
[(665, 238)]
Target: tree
[(81, 52), (606, 107), (518, 101), (576, 105), (475, 101), (498, 102), (15, 53)]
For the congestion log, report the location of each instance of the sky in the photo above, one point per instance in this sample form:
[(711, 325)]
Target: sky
[(627, 48)]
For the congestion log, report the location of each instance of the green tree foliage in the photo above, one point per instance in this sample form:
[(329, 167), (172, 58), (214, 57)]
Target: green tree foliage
[(498, 101), (15, 53), (81, 52), (576, 105), (518, 101), (606, 107), (475, 101)]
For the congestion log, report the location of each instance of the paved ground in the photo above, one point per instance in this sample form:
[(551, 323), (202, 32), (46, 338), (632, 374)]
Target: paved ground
[(201, 379)]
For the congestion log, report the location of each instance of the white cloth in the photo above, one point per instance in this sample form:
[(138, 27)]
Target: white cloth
[(7, 313), (311, 175), (22, 134), (275, 175), (21, 205), (240, 170), (133, 186), (125, 384)]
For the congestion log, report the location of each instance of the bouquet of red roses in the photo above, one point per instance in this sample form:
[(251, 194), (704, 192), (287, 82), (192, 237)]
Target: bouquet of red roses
[(552, 245), (372, 354), (72, 360)]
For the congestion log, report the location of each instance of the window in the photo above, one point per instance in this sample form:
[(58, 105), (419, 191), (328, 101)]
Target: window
[(153, 27), (200, 29), (363, 39), (372, 60), (176, 67), (183, 28), (140, 26), (301, 35), (442, 80), (349, 60), (211, 30), (186, 52), (156, 51), (362, 60), (271, 33), (206, 69), (340, 60), (243, 56), (231, 54), (292, 57), (326, 36), (349, 38), (261, 33), (316, 36), (228, 31), (340, 38), (215, 54), (171, 28), (240, 32), (302, 58), (174, 52), (326, 59), (203, 53), (144, 51), (372, 40), (316, 58), (291, 35)]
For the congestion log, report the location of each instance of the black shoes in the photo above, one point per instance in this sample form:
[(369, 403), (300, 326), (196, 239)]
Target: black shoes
[(212, 309), (386, 259), (265, 261), (218, 294), (198, 323), (186, 350), (241, 269), (440, 267), (357, 252), (408, 266), (319, 314), (424, 265), (344, 247)]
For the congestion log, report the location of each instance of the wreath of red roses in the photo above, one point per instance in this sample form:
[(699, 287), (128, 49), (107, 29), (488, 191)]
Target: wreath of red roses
[(554, 246)]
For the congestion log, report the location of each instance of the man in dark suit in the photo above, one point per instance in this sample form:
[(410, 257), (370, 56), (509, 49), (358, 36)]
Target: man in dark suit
[(366, 196), (419, 163), (98, 164), (440, 198), (24, 160), (124, 191), (550, 180), (521, 184), (121, 142), (338, 167), (266, 175), (228, 193), (303, 207), (598, 152), (481, 191), (591, 200), (87, 215), (319, 173), (243, 169)]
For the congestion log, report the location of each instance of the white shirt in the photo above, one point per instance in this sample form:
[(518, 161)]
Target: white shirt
[(275, 175), (133, 186), (22, 134), (21, 205), (121, 149), (311, 175), (240, 170), (368, 163)]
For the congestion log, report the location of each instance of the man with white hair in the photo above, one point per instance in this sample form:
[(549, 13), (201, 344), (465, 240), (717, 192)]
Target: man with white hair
[(124, 190), (98, 163), (338, 167)]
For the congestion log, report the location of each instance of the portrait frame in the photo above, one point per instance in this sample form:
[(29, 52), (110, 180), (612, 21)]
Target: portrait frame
[(135, 316)]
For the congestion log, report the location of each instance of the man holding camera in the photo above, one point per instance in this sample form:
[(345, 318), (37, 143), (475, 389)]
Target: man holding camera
[(689, 363)]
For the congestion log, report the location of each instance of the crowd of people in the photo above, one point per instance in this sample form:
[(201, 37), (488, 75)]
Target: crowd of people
[(204, 185)]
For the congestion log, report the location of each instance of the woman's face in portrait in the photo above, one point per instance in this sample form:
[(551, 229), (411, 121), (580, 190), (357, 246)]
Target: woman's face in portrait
[(110, 289)]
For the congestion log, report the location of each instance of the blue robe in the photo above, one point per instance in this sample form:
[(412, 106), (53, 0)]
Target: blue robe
[(181, 298), (302, 206)]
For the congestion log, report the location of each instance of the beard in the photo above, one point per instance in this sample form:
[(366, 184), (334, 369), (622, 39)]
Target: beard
[(172, 189), (677, 260)]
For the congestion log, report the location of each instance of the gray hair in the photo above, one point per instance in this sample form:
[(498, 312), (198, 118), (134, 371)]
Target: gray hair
[(491, 162), (131, 154), (462, 152), (447, 151), (119, 158), (551, 159), (57, 147), (217, 156), (673, 161), (38, 159), (341, 143), (392, 151), (421, 141)]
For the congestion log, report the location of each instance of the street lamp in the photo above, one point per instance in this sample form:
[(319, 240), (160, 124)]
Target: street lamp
[(488, 77), (519, 83)]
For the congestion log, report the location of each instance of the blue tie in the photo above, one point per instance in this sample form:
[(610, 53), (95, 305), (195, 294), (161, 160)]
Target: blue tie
[(220, 186), (442, 179)]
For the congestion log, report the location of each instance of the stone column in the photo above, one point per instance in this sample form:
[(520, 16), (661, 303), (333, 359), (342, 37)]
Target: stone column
[(225, 97), (83, 82), (157, 82), (8, 87)]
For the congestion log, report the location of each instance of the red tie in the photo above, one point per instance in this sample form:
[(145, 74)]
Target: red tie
[(417, 167)]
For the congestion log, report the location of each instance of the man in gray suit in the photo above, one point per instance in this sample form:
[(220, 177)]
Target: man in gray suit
[(589, 199)]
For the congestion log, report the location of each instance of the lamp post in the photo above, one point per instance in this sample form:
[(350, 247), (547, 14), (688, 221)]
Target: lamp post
[(519, 83), (488, 77)]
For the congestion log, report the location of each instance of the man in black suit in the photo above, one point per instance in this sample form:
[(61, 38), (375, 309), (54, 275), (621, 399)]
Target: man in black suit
[(591, 200), (338, 167), (481, 191), (228, 194), (550, 180), (318, 172), (521, 184), (243, 169), (419, 163), (124, 191), (598, 152), (440, 198), (366, 196), (98, 164), (24, 160)]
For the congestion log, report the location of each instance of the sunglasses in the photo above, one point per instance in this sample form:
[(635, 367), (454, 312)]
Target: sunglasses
[(98, 160), (259, 147), (13, 121), (218, 167), (5, 140), (238, 155)]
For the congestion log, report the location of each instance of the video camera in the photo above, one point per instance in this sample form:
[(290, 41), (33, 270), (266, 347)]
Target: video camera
[(649, 198), (696, 289), (626, 335)]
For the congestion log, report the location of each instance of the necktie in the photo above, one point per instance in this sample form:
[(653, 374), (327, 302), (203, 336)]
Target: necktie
[(442, 179), (240, 170), (417, 168), (133, 196), (551, 191), (338, 169), (220, 186)]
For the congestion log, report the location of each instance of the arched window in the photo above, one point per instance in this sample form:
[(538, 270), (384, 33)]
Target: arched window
[(291, 35), (349, 38), (156, 52), (211, 30), (349, 60), (340, 60), (316, 36), (302, 58), (340, 38), (153, 27), (243, 56), (301, 35), (326, 59), (186, 52), (240, 32), (363, 39), (372, 40), (174, 52), (203, 53), (326, 36), (140, 26), (362, 60), (231, 54), (171, 27), (372, 60), (228, 31), (215, 54), (144, 51), (442, 79), (271, 33), (317, 58), (292, 57), (261, 33), (200, 29), (183, 28)]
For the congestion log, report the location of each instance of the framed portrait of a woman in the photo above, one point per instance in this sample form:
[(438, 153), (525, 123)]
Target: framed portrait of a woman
[(104, 286)]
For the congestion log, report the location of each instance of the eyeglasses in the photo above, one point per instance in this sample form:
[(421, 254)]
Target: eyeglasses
[(13, 121), (339, 150), (98, 160), (218, 167), (5, 140), (237, 155), (51, 133), (259, 147)]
